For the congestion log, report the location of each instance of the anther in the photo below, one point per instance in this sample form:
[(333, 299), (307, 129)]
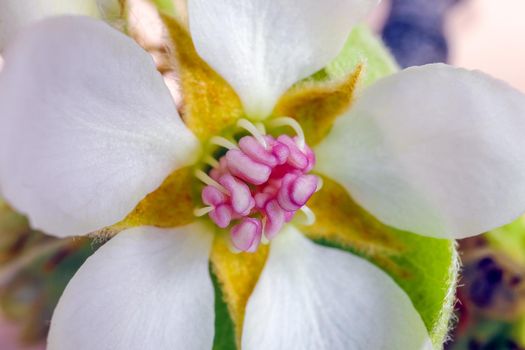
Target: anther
[(223, 142), (246, 235), (252, 129), (246, 169), (259, 184), (206, 179), (287, 121)]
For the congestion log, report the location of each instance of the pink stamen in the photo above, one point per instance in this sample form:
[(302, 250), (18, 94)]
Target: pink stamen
[(222, 215), (275, 218), (244, 167), (246, 235), (303, 188), (212, 196), (281, 152), (253, 149), (266, 184), (241, 197), (297, 158)]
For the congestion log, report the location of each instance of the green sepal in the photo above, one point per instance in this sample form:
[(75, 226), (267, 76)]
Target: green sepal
[(165, 6), (510, 239), (224, 338), (361, 47)]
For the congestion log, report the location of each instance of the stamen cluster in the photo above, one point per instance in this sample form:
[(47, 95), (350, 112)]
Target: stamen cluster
[(259, 185)]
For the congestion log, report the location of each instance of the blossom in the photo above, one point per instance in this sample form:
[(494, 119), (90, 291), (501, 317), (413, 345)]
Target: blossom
[(433, 150)]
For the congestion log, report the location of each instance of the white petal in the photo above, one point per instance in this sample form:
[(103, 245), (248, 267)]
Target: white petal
[(435, 150), (263, 47), (87, 126), (16, 14), (313, 297), (147, 288)]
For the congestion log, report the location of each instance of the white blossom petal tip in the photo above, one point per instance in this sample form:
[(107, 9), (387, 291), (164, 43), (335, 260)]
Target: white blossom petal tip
[(262, 47), (434, 150), (87, 126), (147, 288)]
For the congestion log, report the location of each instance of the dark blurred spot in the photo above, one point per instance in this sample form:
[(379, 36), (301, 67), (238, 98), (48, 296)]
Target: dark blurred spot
[(412, 45), (494, 276), (414, 31), (485, 262), (511, 345), (474, 345), (481, 292)]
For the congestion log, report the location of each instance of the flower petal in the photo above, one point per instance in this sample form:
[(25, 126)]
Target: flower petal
[(262, 47), (16, 14), (147, 288), (313, 297), (88, 127), (434, 150)]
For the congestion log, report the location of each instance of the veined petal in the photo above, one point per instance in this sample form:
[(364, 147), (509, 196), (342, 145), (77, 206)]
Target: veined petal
[(434, 150), (88, 127), (147, 288), (262, 47), (313, 297), (16, 14)]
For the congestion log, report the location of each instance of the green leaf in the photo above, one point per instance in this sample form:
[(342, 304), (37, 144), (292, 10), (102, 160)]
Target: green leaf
[(224, 329), (510, 239), (362, 47), (166, 6)]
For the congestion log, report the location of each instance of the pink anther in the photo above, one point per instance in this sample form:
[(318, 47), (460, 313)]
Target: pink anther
[(246, 235), (266, 183), (247, 169)]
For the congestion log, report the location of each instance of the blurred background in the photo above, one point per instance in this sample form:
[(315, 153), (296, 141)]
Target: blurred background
[(490, 313)]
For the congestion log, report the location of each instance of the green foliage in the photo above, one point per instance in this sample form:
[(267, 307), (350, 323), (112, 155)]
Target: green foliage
[(166, 6), (362, 47), (510, 239), (224, 330)]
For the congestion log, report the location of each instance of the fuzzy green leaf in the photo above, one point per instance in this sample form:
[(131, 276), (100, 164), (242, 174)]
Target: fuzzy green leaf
[(362, 47), (510, 239)]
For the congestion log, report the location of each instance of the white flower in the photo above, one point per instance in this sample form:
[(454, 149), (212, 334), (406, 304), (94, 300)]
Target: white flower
[(88, 129)]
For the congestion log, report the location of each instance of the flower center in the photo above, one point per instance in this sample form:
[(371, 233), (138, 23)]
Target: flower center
[(259, 184)]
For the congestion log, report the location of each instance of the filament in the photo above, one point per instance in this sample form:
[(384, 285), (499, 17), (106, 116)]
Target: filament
[(287, 121), (247, 125), (201, 175)]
